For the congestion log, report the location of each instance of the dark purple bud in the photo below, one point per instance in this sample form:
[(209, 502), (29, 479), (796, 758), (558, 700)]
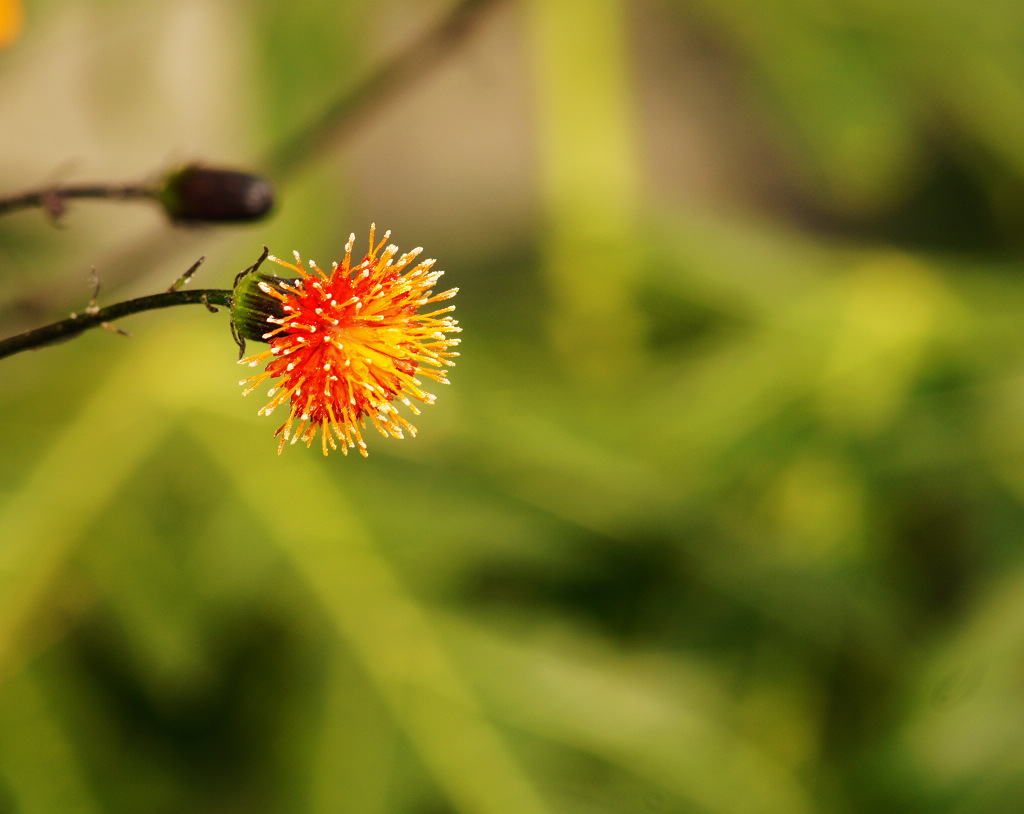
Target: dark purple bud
[(203, 195)]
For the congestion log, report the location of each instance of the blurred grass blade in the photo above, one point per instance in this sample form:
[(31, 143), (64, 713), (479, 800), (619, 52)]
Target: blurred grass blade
[(654, 718), (69, 487), (389, 631), (590, 178)]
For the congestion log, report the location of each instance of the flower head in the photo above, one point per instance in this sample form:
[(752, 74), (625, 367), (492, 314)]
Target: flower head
[(346, 345)]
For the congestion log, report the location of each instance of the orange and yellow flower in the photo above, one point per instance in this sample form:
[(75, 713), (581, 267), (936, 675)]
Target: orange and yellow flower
[(348, 344)]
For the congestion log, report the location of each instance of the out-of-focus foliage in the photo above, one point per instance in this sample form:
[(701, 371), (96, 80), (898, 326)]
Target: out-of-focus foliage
[(722, 513)]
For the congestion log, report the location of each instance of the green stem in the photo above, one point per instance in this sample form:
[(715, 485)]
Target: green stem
[(93, 317)]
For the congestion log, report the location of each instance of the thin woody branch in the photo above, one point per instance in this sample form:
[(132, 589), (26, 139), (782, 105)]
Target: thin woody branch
[(52, 199), (403, 69)]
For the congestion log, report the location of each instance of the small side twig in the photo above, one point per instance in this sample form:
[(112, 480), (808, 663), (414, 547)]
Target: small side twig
[(94, 306), (184, 278)]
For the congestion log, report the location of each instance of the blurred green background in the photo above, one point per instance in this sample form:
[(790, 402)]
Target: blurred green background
[(722, 514)]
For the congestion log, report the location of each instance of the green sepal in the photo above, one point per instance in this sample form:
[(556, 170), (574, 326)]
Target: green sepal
[(252, 309)]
